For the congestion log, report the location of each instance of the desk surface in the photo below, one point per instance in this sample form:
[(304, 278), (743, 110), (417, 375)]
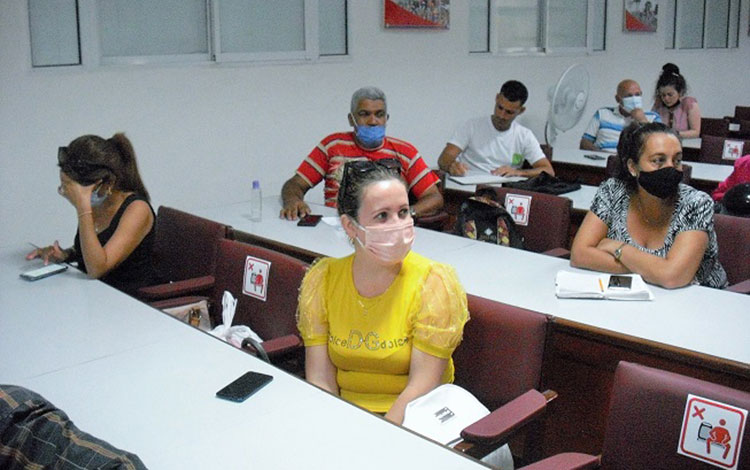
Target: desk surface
[(145, 382), (701, 171), (707, 321)]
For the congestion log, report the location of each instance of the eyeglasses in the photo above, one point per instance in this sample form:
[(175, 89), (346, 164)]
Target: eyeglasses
[(358, 168)]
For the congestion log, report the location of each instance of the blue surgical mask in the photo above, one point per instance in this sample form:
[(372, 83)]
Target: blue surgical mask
[(629, 103), (369, 136), (96, 198)]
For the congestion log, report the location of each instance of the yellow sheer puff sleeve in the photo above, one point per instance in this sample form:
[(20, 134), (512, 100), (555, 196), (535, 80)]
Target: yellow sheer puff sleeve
[(439, 324), (312, 316)]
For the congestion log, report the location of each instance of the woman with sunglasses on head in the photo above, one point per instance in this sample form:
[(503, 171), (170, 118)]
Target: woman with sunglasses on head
[(380, 325), (677, 111), (116, 223), (645, 221)]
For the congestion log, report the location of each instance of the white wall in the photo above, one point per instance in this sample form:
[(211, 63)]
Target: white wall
[(202, 132)]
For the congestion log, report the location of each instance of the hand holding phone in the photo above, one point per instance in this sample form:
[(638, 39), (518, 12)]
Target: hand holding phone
[(310, 220), (246, 385), (44, 271)]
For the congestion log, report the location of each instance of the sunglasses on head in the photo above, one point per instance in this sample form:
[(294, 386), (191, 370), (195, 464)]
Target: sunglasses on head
[(366, 166), (66, 159), (358, 168)]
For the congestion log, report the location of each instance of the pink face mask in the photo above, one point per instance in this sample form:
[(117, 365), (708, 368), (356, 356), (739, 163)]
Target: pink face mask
[(388, 243)]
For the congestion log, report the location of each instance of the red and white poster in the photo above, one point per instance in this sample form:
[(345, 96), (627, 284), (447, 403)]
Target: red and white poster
[(641, 15), (417, 14), (518, 206), (712, 432), (255, 282)]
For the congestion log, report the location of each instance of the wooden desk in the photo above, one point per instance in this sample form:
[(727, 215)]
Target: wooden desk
[(570, 164), (695, 331), (145, 382)]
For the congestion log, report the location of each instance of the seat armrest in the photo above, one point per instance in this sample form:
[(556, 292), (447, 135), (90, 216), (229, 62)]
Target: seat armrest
[(566, 461), (558, 253), (282, 345), (177, 301), (176, 289), (504, 421), (742, 287), (273, 347)]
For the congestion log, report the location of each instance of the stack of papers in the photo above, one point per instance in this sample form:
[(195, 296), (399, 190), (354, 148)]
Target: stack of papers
[(570, 285), (486, 179)]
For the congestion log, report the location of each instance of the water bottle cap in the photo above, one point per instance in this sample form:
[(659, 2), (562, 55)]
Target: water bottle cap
[(256, 184)]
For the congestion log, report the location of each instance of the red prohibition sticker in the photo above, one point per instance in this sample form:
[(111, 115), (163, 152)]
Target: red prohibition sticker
[(712, 432), (255, 282)]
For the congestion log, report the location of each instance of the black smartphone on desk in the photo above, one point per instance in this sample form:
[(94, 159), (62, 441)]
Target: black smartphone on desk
[(310, 220), (240, 389), (620, 282)]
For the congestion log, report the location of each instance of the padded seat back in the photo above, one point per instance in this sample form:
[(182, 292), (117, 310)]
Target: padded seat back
[(270, 318), (714, 126), (742, 112), (185, 244), (712, 149), (548, 222), (500, 356), (733, 237), (646, 411)]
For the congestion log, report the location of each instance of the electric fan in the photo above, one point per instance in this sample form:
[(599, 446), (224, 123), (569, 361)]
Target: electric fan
[(567, 101)]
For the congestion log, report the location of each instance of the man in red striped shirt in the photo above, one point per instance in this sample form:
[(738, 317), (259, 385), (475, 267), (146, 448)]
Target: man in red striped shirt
[(368, 117)]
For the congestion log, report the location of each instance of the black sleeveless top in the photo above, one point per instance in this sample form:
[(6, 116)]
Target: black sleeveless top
[(137, 270)]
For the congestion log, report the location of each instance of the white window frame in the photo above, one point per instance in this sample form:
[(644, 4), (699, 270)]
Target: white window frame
[(90, 50), (310, 53), (733, 27), (543, 48)]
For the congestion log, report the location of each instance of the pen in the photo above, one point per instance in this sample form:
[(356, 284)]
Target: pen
[(601, 286)]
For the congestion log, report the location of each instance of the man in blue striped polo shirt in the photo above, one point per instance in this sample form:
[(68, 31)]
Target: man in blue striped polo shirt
[(604, 129)]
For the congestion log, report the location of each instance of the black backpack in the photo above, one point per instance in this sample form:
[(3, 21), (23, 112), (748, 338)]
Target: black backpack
[(483, 218), (545, 183)]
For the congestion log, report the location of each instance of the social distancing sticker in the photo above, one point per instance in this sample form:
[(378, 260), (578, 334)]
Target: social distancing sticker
[(255, 282), (518, 206), (712, 432)]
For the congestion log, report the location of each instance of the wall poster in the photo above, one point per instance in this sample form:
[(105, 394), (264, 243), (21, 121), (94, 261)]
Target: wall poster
[(641, 15), (417, 14)]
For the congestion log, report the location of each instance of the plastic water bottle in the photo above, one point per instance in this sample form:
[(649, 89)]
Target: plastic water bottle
[(256, 202)]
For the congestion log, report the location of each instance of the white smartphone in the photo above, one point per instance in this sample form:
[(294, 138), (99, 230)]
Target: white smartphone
[(44, 271)]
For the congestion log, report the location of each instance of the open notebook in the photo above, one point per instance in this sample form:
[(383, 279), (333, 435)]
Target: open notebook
[(570, 285)]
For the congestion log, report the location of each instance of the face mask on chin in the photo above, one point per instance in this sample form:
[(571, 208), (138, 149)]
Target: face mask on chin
[(629, 103), (662, 183), (96, 198), (388, 243)]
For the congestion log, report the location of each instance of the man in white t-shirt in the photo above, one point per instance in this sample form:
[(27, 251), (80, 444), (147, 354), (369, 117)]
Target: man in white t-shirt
[(495, 144)]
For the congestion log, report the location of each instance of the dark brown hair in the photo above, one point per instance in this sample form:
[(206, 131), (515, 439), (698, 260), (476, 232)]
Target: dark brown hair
[(91, 158)]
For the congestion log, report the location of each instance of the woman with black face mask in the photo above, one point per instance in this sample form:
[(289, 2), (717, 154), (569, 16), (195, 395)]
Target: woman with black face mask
[(645, 221)]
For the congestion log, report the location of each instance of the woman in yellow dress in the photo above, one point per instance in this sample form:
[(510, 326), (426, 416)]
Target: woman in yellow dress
[(380, 325)]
